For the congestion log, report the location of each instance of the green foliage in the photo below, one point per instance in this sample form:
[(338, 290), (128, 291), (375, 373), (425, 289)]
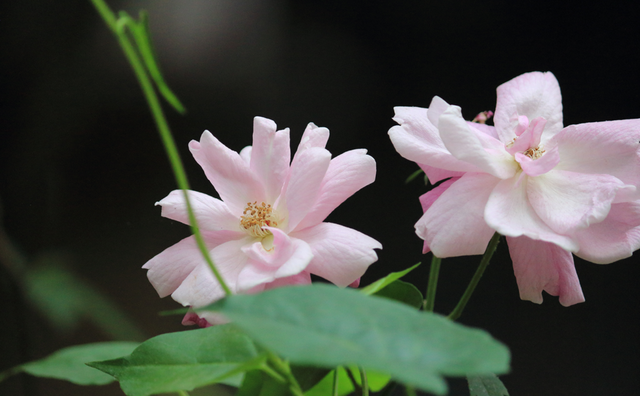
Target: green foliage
[(184, 360), (402, 292), (64, 299), (69, 363), (345, 386), (486, 385), (326, 326), (386, 281)]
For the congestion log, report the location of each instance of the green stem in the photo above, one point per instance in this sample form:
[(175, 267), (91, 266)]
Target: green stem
[(182, 393), (491, 248), (335, 382), (411, 391), (163, 128), (434, 271), (364, 381), (283, 369)]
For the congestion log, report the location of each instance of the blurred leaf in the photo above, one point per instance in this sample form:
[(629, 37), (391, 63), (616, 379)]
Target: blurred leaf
[(69, 363), (251, 384), (184, 361), (327, 326), (386, 281), (402, 292), (486, 385), (65, 299), (413, 176), (308, 376)]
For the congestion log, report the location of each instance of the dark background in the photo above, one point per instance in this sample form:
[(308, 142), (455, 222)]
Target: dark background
[(81, 164)]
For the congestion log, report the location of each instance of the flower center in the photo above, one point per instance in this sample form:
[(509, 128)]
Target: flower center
[(534, 153), (257, 216)]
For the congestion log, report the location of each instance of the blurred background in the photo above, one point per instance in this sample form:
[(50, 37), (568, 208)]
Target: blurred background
[(81, 164)]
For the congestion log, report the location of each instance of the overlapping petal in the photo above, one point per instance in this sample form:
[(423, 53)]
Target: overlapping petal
[(568, 201), (346, 174), (454, 224), (340, 254), (539, 266), (211, 213), (231, 176), (532, 95), (270, 156)]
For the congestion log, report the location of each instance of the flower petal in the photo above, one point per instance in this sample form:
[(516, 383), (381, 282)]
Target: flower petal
[(228, 172), (453, 225), (340, 254), (611, 148), (286, 257), (509, 212), (313, 136), (568, 201), (270, 156), (347, 173), (544, 266), (436, 174), (418, 140), (533, 95), (474, 147), (200, 287), (613, 239), (211, 213), (540, 166), (427, 199), (168, 269), (301, 192)]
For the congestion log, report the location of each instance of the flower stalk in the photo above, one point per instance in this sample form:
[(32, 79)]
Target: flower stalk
[(484, 263), (118, 26), (434, 272)]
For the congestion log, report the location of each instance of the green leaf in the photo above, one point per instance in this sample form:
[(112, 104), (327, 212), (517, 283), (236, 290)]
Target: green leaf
[(184, 361), (486, 385), (65, 299), (386, 281), (69, 363), (402, 292), (327, 326)]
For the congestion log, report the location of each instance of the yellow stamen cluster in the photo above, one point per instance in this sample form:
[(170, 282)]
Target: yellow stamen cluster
[(257, 216), (534, 153)]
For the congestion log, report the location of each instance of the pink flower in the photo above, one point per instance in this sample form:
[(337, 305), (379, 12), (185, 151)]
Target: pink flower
[(267, 229), (551, 191)]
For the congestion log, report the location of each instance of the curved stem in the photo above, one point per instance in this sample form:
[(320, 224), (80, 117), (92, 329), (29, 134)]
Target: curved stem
[(364, 381), (434, 272), (334, 388), (163, 128), (491, 248)]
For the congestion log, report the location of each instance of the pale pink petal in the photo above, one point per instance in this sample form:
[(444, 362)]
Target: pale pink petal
[(347, 173), (211, 213), (613, 239), (471, 146), (533, 95), (228, 172), (568, 201), (484, 128), (540, 166), (283, 257), (418, 140), (303, 278), (270, 156), (168, 269), (436, 174), (509, 212), (427, 199), (200, 287), (544, 266), (611, 147), (245, 154), (454, 224), (435, 110), (313, 136), (340, 254), (530, 138), (308, 169)]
